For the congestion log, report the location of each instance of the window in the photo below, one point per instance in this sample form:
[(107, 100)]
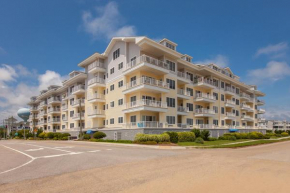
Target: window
[(171, 65), (112, 87), (223, 123), (234, 111), (237, 113), (189, 106), (168, 45), (216, 122), (223, 110), (112, 70), (237, 91), (189, 121), (107, 106), (112, 104), (237, 102), (71, 125), (170, 102), (222, 97), (133, 61), (116, 54), (120, 120), (104, 122), (171, 83), (107, 91), (120, 83), (107, 122), (71, 113), (216, 95), (133, 119), (170, 119), (112, 121), (222, 85), (256, 107), (237, 124), (120, 66), (256, 116), (215, 108), (190, 91), (120, 102)]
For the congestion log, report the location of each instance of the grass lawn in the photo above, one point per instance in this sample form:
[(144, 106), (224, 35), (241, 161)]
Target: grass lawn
[(211, 143), (251, 143)]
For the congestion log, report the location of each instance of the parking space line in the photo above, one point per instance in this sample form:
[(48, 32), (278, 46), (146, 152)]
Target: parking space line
[(49, 148), (109, 149), (59, 155), (94, 151)]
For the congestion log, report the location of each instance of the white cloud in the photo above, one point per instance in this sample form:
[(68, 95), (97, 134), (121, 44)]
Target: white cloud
[(275, 51), (220, 60), (277, 113), (273, 72), (107, 23), (7, 73), (2, 51), (49, 78)]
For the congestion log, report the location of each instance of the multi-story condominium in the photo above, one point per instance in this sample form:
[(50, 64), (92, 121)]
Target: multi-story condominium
[(141, 83), (273, 124)]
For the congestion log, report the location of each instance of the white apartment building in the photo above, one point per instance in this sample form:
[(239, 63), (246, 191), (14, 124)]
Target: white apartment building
[(139, 83)]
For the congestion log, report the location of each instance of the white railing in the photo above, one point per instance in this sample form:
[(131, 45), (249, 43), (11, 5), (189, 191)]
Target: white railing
[(246, 106), (204, 111), (204, 95), (183, 75), (147, 59), (54, 120), (202, 80), (205, 126), (228, 114), (78, 88), (78, 101), (64, 118), (147, 81), (53, 99), (96, 112), (53, 110), (230, 102), (261, 110), (96, 80), (244, 95), (92, 96), (145, 124), (64, 107), (230, 89), (146, 102), (247, 117), (33, 108), (182, 109), (183, 92), (77, 115), (43, 103), (42, 121), (43, 113), (95, 65)]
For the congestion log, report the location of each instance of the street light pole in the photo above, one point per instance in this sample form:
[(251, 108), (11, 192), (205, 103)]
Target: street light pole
[(34, 125), (81, 129)]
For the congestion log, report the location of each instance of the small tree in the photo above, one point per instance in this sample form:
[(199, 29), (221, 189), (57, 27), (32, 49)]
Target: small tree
[(99, 135), (196, 132), (205, 135)]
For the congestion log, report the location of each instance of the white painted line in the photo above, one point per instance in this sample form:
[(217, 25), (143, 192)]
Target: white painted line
[(109, 149), (59, 155), (32, 159), (49, 148), (64, 147), (34, 149), (94, 151)]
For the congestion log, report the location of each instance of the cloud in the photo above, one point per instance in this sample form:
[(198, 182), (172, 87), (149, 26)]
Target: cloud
[(49, 78), (273, 72), (7, 73), (277, 113), (107, 23), (275, 51), (2, 51), (220, 60)]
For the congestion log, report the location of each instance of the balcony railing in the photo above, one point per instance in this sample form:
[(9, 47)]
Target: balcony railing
[(54, 120), (145, 102), (43, 103), (64, 107), (96, 80), (95, 65), (183, 92), (205, 96), (50, 110), (33, 108), (229, 89), (96, 96), (77, 115), (54, 100), (230, 102), (147, 81), (204, 111), (145, 124), (247, 117), (96, 112), (183, 75), (228, 114), (64, 118), (78, 88), (78, 102), (149, 60), (246, 106), (42, 122), (182, 109), (206, 81), (244, 95)]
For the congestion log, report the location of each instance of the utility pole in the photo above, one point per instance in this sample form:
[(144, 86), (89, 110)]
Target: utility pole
[(34, 125), (80, 110)]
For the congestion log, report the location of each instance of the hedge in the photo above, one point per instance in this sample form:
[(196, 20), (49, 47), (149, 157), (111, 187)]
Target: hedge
[(99, 135), (164, 137), (186, 136), (173, 136)]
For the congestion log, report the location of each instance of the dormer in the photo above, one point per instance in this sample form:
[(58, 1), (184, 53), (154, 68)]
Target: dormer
[(73, 74), (53, 87), (168, 44), (43, 91), (186, 58)]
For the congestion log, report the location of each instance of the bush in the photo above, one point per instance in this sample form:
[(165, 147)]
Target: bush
[(55, 138), (111, 140), (57, 135), (41, 135), (49, 135), (173, 136), (221, 138), (212, 139), (278, 135), (186, 136), (30, 138), (232, 138), (148, 142), (87, 136), (164, 137), (16, 137), (284, 134), (205, 135), (196, 132), (199, 140), (99, 135), (255, 135), (64, 138)]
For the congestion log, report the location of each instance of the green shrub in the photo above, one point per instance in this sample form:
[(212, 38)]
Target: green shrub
[(199, 140), (64, 138), (16, 137), (232, 138), (49, 135), (148, 142), (99, 135), (212, 139), (87, 136), (205, 135), (186, 136), (244, 136), (278, 135), (196, 132), (284, 134), (41, 135), (173, 136), (57, 135), (164, 137), (267, 136), (221, 138), (111, 140), (30, 138), (55, 138), (269, 131)]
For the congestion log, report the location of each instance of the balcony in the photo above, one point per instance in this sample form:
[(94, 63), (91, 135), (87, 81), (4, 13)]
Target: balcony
[(43, 104), (203, 97), (96, 97), (64, 97), (54, 121), (183, 77), (96, 82), (204, 112), (64, 119), (183, 94), (261, 111), (79, 116), (182, 110), (146, 63), (205, 83), (230, 103), (43, 113), (79, 89), (33, 109), (230, 116), (247, 118), (64, 107), (260, 102), (145, 105), (54, 100), (96, 66), (261, 120), (230, 91), (96, 113), (145, 124), (78, 103), (146, 84), (246, 97), (75, 77), (246, 108), (53, 110)]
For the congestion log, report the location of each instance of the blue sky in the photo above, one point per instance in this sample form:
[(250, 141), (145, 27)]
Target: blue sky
[(42, 41)]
